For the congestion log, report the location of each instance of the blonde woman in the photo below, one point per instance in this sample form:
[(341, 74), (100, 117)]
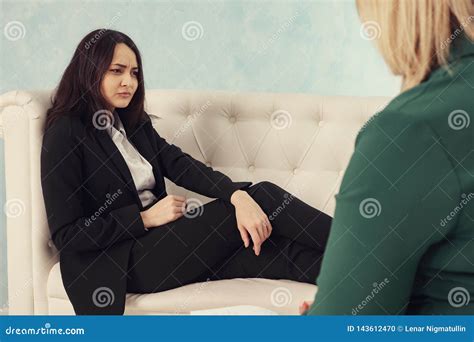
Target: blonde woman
[(402, 239)]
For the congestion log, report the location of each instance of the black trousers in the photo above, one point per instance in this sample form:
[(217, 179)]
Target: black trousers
[(209, 246)]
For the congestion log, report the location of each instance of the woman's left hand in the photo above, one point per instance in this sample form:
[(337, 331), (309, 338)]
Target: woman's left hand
[(251, 219)]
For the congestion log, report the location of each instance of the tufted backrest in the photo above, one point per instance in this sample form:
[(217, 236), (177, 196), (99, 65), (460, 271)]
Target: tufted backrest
[(301, 142)]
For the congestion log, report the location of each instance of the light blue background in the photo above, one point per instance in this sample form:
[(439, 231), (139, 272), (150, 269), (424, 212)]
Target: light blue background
[(276, 46)]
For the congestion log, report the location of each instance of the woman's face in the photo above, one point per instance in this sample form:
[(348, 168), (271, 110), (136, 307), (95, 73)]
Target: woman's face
[(120, 80)]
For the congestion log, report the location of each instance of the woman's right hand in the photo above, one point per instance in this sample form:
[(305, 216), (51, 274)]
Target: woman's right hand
[(164, 211)]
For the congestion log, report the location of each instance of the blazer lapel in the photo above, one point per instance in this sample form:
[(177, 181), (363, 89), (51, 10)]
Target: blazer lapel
[(114, 154), (140, 140), (141, 143)]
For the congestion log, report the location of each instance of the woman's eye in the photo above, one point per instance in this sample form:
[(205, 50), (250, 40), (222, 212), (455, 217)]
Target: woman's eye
[(117, 71)]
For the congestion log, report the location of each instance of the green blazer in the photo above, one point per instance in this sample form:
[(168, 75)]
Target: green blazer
[(402, 239)]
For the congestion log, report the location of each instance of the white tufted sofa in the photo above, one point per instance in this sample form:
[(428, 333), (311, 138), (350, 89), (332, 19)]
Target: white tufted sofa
[(301, 142)]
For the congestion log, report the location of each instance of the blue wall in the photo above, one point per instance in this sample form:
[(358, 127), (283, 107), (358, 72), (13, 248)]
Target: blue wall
[(277, 46)]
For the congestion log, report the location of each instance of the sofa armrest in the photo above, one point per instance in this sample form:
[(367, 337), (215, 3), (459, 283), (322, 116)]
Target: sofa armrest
[(29, 258)]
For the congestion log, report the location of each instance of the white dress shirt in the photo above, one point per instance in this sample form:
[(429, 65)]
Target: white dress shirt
[(140, 169)]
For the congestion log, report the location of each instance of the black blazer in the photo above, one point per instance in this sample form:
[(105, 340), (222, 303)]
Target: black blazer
[(93, 207)]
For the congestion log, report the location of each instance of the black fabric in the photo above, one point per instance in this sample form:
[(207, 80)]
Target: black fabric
[(209, 247), (93, 207)]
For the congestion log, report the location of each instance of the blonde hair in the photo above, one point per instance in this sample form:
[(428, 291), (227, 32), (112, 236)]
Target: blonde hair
[(414, 36)]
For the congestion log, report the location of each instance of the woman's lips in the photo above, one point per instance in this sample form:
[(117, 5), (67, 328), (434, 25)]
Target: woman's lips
[(124, 94)]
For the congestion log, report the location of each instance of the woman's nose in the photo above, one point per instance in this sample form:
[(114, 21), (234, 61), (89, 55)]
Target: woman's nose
[(126, 80)]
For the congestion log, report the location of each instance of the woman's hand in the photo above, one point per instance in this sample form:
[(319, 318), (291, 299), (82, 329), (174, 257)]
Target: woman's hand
[(164, 211), (305, 306), (250, 220)]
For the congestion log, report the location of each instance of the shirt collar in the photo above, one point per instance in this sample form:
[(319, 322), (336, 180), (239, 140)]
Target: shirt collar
[(117, 126)]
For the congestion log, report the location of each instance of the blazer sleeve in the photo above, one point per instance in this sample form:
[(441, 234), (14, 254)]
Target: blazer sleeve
[(192, 174), (71, 228)]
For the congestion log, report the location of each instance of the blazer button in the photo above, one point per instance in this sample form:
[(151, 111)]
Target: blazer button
[(232, 119), (251, 168), (295, 170), (208, 164)]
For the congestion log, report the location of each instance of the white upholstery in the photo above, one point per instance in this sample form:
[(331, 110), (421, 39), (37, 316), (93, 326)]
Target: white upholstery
[(301, 142)]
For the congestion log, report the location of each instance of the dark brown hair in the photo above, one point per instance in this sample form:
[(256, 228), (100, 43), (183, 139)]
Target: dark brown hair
[(78, 92)]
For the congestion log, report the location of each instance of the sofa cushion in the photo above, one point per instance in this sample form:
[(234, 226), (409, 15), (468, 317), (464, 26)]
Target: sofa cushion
[(282, 296)]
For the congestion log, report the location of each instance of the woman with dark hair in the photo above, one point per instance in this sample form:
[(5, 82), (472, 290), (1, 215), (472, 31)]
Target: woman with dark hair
[(81, 87), (117, 230)]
